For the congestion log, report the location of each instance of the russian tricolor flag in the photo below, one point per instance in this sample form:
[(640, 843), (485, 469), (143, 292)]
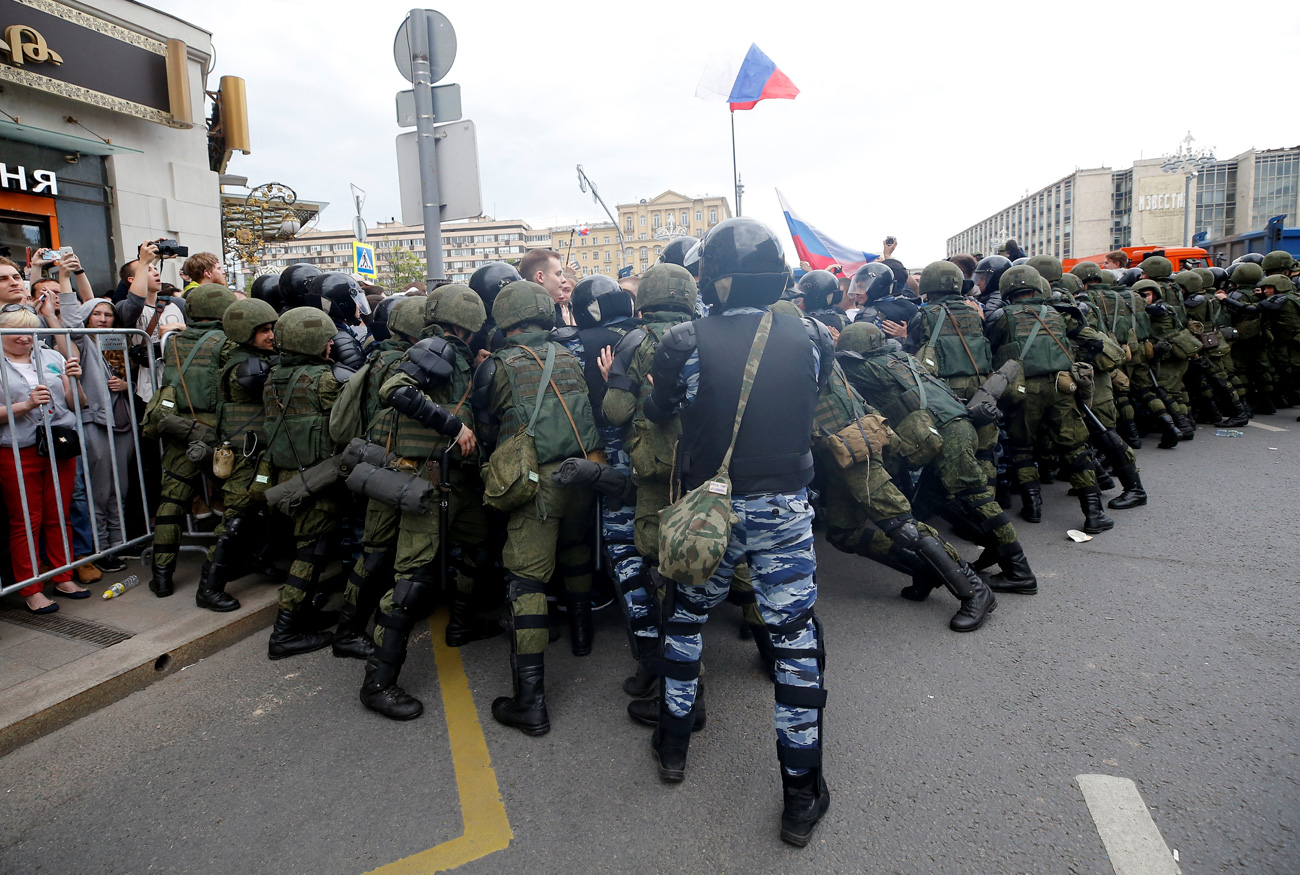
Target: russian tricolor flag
[(744, 79), (819, 250)]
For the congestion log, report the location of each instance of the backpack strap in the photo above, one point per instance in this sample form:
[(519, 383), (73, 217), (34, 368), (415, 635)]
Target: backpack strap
[(962, 338), (1039, 316), (547, 381)]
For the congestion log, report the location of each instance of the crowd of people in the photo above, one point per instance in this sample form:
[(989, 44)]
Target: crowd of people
[(534, 443)]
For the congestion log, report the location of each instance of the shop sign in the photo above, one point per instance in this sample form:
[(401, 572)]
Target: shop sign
[(40, 181)]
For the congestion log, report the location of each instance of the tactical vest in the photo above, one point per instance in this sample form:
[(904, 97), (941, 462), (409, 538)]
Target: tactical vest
[(1038, 353), (242, 411), (297, 422), (651, 445), (838, 405), (1114, 315), (831, 317), (192, 365), (554, 435), (378, 419), (773, 449), (593, 341), (955, 345), (412, 440)]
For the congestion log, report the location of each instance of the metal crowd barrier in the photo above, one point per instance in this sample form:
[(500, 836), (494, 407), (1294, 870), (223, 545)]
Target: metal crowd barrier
[(104, 338)]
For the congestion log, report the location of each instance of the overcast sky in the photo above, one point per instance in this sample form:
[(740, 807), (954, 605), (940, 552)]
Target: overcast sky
[(916, 119)]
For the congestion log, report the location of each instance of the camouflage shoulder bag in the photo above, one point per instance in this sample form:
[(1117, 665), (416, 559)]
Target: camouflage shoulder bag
[(510, 477), (694, 530)]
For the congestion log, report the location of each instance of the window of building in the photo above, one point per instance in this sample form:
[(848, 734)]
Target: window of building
[(1121, 208), (644, 254), (606, 241), (642, 221), (584, 256), (685, 221), (1275, 186), (658, 250), (713, 216), (607, 256), (699, 216), (655, 220), (1216, 200)]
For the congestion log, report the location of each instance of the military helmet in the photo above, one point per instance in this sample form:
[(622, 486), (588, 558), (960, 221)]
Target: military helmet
[(691, 261), (1143, 286), (523, 303), (492, 278), (1157, 267), (599, 300), (1047, 266), (667, 287), (293, 283), (819, 289), (1087, 271), (1246, 275), (875, 280), (941, 278), (337, 294), (267, 288), (208, 302), (674, 251), (1190, 283), (304, 331), (1020, 279), (1279, 282), (1070, 283), (1024, 259), (1249, 258), (787, 308), (742, 264), (861, 337), (1278, 261), (1220, 277), (405, 317), (1131, 275), (243, 318), (459, 306), (992, 266), (1207, 277)]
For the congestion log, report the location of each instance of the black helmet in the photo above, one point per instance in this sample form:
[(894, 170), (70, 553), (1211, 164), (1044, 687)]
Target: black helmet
[(267, 288), (1220, 277), (874, 279), (820, 289), (379, 320), (991, 267), (492, 278), (293, 283), (1132, 275), (1252, 257), (336, 294), (691, 260), (599, 300), (1024, 259), (675, 250), (742, 264)]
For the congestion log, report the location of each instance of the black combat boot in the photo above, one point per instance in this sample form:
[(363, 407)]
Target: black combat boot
[(766, 651), (1016, 576), (1002, 492), (1207, 412), (1032, 493), (1104, 481), (580, 631), (640, 684), (1169, 433), (464, 626), (1134, 495), (1128, 430), (526, 709), (289, 638), (1095, 520), (211, 593), (161, 582), (351, 638), (987, 559), (646, 711), (807, 799), (1239, 417), (1186, 428), (1263, 404), (977, 602), (671, 740), (381, 694)]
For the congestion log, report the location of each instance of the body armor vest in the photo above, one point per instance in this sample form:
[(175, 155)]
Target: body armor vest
[(378, 419), (412, 440), (192, 366), (297, 423), (242, 410), (955, 345), (554, 436), (1044, 355)]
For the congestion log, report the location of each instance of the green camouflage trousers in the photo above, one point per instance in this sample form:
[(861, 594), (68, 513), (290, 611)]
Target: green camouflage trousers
[(181, 480), (1048, 412)]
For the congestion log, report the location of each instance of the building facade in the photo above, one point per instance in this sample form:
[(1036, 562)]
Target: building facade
[(103, 144), (1097, 210)]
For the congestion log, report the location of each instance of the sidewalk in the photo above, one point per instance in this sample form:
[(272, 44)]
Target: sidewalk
[(58, 667)]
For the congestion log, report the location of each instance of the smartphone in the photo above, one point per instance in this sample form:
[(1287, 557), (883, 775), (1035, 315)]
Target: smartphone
[(64, 250), (890, 241)]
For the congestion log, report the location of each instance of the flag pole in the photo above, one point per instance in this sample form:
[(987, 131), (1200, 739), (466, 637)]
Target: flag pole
[(735, 177)]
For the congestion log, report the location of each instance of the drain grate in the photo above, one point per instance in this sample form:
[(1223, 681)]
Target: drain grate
[(65, 627)]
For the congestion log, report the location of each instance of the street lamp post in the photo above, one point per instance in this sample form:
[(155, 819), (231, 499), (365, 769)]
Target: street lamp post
[(1189, 162)]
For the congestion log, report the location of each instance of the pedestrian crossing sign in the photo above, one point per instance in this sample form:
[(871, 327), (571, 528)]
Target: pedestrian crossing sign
[(363, 259)]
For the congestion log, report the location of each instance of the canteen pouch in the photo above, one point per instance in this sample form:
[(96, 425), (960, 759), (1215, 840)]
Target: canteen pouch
[(403, 490), (1119, 381), (1065, 383)]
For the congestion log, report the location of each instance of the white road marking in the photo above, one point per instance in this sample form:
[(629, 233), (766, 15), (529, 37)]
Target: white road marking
[(1254, 424), (1131, 837)]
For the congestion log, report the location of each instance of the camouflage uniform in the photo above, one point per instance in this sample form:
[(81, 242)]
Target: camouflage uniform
[(1282, 326)]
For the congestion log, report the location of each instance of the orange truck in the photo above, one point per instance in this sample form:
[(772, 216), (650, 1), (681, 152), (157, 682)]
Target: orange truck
[(1183, 257)]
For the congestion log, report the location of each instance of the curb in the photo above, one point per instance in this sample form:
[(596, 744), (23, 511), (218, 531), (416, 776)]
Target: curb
[(85, 685)]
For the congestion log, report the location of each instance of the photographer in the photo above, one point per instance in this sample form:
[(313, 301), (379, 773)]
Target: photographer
[(146, 309)]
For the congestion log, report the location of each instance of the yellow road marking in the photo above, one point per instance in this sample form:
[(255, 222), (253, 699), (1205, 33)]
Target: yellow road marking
[(487, 829)]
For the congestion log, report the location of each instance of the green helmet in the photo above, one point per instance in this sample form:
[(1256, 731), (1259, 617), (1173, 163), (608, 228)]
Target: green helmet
[(242, 319), (1157, 267), (1047, 266), (1278, 261), (523, 303), (1246, 275), (1279, 282), (1189, 281), (406, 317), (304, 330), (207, 303), (1070, 283), (941, 278), (1142, 285), (861, 337), (431, 301), (1206, 275), (786, 307), (458, 306), (667, 287), (1018, 280), (1087, 271)]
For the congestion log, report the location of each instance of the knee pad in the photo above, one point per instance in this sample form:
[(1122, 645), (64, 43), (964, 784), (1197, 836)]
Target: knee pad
[(901, 530)]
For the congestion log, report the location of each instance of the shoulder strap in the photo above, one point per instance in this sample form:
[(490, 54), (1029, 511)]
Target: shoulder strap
[(920, 384), (751, 369), (541, 390), (1039, 316), (962, 338), (182, 367), (1033, 334)]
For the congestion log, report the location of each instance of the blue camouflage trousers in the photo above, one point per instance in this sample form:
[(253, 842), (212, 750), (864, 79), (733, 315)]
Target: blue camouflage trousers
[(774, 536), (619, 529)]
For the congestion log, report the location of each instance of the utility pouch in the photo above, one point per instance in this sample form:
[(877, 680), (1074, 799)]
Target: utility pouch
[(1185, 344), (1065, 383), (861, 440)]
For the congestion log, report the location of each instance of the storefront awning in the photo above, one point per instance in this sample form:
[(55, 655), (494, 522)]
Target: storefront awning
[(60, 140)]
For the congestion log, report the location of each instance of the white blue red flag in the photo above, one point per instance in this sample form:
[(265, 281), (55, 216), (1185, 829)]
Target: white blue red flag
[(819, 250), (743, 79)]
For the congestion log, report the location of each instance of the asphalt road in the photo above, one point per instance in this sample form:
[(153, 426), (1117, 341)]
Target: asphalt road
[(1163, 652)]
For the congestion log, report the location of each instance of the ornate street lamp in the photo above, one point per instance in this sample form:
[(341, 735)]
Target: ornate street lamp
[(1189, 162)]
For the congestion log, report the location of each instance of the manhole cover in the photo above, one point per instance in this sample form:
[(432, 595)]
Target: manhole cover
[(65, 627)]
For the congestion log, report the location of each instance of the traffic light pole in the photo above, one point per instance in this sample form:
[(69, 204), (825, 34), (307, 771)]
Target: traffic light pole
[(426, 141)]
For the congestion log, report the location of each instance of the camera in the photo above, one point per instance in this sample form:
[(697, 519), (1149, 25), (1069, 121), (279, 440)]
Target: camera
[(171, 249), (890, 241)]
